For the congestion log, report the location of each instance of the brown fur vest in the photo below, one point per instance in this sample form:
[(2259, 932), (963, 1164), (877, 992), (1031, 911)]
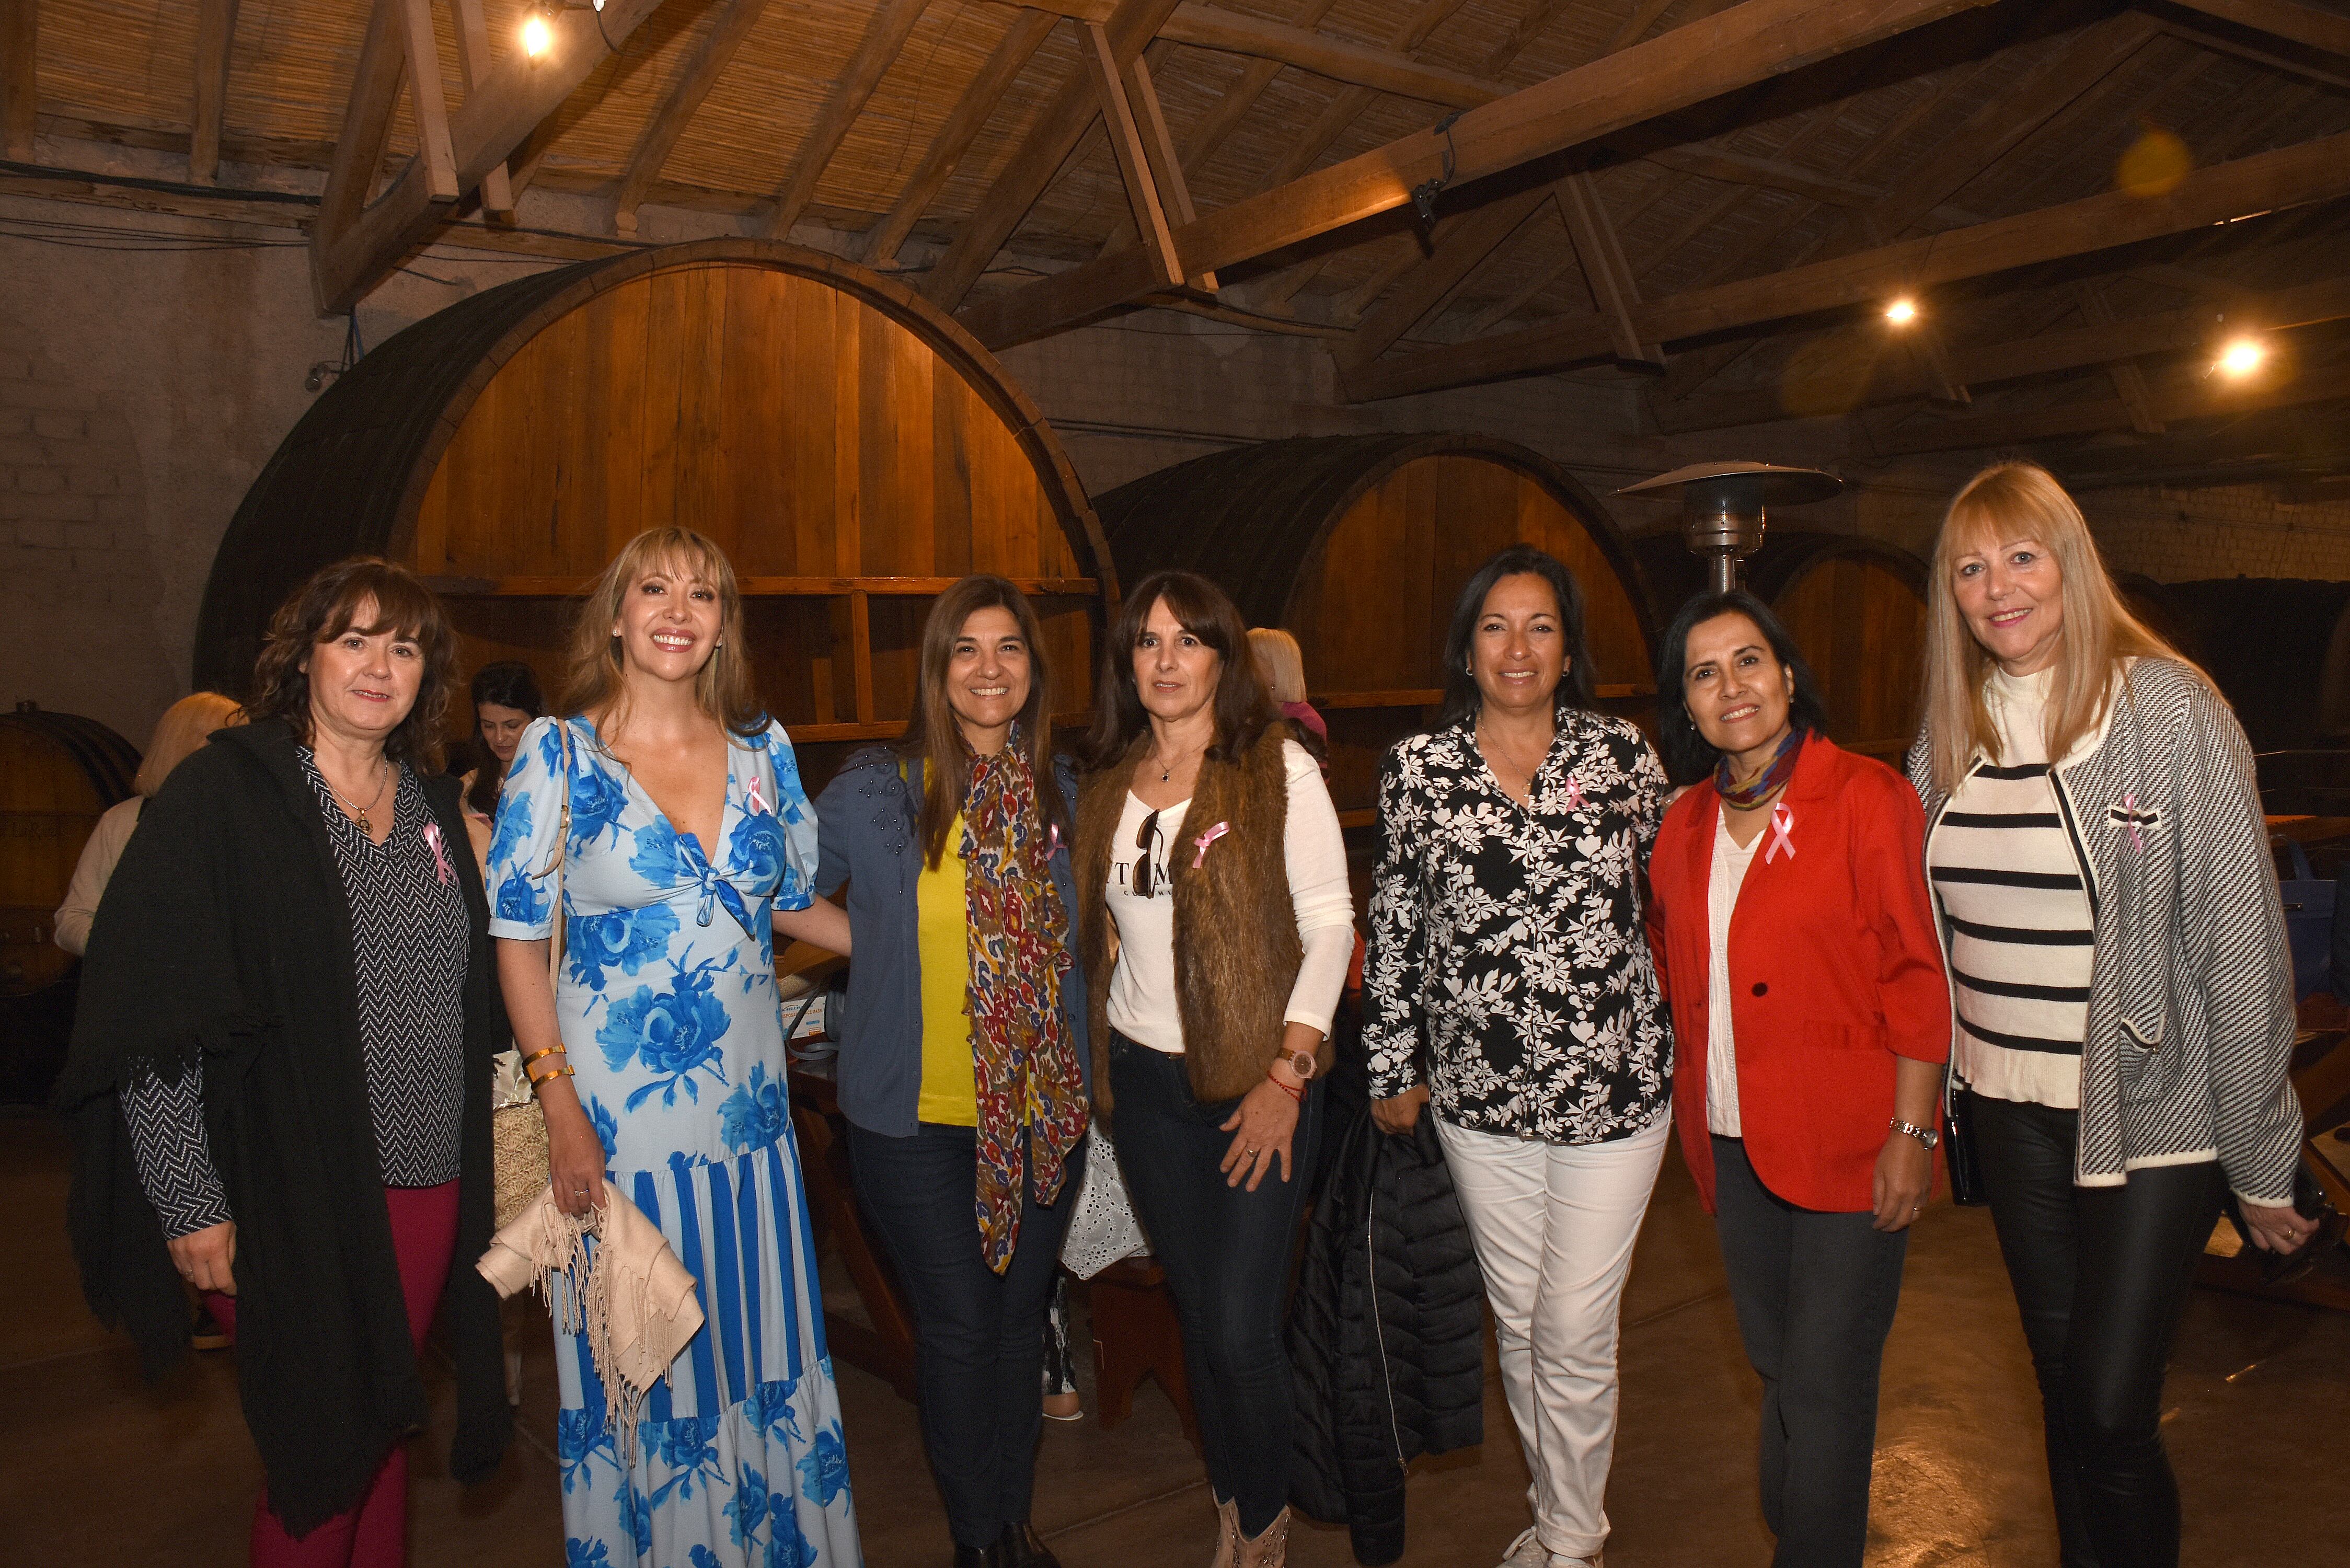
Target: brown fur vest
[(1236, 948)]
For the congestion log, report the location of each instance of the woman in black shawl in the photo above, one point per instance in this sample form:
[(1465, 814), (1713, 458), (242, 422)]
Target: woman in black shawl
[(280, 1071)]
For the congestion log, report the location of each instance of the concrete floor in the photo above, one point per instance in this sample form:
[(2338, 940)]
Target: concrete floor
[(97, 1469)]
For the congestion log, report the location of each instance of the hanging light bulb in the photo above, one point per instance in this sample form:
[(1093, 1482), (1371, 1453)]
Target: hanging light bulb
[(1902, 311), (537, 38), (2241, 357)]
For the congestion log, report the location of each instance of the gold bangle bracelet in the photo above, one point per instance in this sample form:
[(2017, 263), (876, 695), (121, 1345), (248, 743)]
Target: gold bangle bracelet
[(549, 1076), (534, 1055)]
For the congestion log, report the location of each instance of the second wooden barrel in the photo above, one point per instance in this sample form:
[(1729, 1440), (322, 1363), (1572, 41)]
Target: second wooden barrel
[(1856, 606), (1358, 546)]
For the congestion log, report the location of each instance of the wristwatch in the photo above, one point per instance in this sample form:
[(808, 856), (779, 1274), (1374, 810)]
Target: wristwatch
[(1300, 1062), (1930, 1136)]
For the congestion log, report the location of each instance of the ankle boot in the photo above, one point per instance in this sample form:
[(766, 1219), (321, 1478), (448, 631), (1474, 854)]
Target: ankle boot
[(1228, 1533), (1269, 1550), (988, 1556), (1021, 1548)]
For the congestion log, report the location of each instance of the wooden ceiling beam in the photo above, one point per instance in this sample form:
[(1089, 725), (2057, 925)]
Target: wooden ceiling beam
[(1382, 70), (945, 153), (2290, 177), (694, 84), (2129, 380), (1745, 43), (2200, 400), (1055, 136), (1614, 290), (2295, 24), (1166, 164), (428, 99), (20, 97), (885, 35), (1427, 286), (1125, 144), (215, 30), (473, 63), (355, 243)]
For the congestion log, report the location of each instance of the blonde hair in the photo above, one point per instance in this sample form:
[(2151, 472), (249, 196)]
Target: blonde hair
[(1279, 660), (592, 674), (2015, 501), (179, 734)]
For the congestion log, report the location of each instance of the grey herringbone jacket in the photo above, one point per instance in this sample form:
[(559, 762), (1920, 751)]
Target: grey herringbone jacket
[(2191, 1004)]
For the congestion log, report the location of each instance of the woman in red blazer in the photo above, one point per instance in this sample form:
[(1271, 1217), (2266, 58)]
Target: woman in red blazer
[(1812, 1019)]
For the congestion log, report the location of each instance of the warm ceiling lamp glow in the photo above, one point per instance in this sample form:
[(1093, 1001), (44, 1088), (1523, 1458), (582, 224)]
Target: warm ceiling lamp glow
[(1901, 312), (537, 38), (2241, 357)]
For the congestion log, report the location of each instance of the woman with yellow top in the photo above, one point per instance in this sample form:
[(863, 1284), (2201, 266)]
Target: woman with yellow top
[(964, 1069)]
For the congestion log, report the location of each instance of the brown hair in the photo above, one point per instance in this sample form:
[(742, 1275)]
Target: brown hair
[(2013, 501), (592, 682), (934, 736), (182, 730), (1243, 709), (326, 607)]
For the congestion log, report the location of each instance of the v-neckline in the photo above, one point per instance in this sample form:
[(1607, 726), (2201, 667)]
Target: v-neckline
[(690, 843)]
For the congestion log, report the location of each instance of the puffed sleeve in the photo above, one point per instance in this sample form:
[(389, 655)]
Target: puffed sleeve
[(521, 871), (798, 816)]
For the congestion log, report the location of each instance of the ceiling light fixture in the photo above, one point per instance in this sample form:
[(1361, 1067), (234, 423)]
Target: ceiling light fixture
[(2241, 357), (1902, 311)]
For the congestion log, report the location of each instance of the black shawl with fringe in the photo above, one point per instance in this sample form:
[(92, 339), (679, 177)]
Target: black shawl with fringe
[(225, 935)]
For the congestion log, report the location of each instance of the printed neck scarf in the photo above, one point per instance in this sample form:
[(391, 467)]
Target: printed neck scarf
[(1758, 789), (1024, 1063)]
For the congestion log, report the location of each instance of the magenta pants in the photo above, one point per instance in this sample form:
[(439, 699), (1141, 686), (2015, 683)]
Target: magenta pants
[(375, 1533)]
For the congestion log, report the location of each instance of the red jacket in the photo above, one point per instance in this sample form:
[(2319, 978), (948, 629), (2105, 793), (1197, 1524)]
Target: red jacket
[(1835, 970)]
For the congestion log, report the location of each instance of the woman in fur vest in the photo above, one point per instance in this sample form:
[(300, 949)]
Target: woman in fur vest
[(1216, 925)]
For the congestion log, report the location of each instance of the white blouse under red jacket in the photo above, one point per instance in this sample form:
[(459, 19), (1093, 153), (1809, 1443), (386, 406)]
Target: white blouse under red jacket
[(1835, 973)]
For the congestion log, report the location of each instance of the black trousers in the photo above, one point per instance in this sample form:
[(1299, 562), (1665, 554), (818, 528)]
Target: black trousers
[(1227, 1253), (979, 1336), (2100, 1276), (1814, 1293)]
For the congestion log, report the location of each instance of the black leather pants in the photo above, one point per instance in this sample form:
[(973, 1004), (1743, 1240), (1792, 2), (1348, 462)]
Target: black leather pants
[(2100, 1276)]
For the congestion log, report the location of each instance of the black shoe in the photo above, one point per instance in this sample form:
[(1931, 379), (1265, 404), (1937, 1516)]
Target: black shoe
[(1020, 1548), (979, 1556)]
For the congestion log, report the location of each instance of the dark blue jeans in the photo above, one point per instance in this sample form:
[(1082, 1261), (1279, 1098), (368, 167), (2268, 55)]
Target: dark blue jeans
[(979, 1336), (1227, 1253)]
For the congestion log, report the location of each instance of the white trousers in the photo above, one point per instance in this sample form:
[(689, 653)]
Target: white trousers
[(1554, 1226)]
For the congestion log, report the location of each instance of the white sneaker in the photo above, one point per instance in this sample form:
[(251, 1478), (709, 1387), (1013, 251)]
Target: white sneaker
[(1526, 1551)]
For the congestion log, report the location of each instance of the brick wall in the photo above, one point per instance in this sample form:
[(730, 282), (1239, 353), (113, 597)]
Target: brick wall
[(2247, 530)]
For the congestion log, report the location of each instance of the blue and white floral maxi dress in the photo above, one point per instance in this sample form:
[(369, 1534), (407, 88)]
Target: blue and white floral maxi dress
[(668, 1007)]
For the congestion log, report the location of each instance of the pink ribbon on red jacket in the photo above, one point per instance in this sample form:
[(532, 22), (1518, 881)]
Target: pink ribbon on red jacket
[(1783, 822)]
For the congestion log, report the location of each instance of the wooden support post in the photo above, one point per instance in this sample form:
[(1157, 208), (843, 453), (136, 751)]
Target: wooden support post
[(693, 85), (1613, 288), (1165, 165), (473, 65), (215, 29), (20, 101), (954, 138), (2129, 380), (860, 652), (427, 99), (885, 35), (1126, 143)]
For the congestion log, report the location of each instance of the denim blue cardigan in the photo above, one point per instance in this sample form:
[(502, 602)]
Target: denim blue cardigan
[(865, 838)]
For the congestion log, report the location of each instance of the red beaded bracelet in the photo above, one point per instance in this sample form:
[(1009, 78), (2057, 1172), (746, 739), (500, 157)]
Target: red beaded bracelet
[(1298, 1095)]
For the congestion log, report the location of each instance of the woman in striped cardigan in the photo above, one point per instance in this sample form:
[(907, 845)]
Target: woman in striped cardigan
[(2117, 960)]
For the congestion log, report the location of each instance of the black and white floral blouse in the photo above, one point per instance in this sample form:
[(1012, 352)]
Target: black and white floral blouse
[(1507, 965)]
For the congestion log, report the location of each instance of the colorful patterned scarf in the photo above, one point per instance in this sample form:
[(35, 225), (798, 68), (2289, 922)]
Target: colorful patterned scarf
[(1024, 1063), (1756, 790)]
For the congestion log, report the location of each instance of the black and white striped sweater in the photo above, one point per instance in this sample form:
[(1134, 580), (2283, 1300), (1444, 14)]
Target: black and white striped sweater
[(2190, 1018)]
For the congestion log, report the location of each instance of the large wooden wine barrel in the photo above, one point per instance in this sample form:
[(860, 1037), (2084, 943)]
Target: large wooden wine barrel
[(1358, 545), (1856, 606), (2279, 648), (59, 773), (850, 446)]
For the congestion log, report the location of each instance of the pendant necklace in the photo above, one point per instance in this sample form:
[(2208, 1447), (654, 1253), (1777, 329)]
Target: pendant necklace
[(358, 813)]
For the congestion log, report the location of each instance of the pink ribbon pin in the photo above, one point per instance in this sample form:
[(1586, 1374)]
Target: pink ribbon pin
[(1207, 839), (440, 854), (1052, 839), (2131, 816), (751, 797), (1575, 801), (1782, 821)]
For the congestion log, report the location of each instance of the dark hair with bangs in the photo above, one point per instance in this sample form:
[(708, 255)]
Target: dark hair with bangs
[(329, 604), (1462, 697), (1688, 756), (509, 683), (934, 736), (1242, 709)]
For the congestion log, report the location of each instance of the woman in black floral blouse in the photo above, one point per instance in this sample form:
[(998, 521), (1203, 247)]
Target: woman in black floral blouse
[(1508, 983)]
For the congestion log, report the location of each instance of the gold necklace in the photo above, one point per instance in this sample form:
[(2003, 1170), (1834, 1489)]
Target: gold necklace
[(358, 813), (1498, 750)]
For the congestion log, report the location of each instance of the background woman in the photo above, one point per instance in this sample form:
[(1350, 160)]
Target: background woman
[(505, 700), (1282, 666), (962, 1066), (659, 1060), (2117, 953), (289, 988), (1508, 982), (1814, 1020), (1216, 928), (185, 725)]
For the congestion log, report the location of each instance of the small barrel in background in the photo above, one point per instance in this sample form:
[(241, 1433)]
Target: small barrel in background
[(58, 773), (1358, 545)]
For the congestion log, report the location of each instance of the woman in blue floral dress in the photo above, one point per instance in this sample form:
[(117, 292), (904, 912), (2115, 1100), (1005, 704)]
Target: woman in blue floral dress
[(690, 843)]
